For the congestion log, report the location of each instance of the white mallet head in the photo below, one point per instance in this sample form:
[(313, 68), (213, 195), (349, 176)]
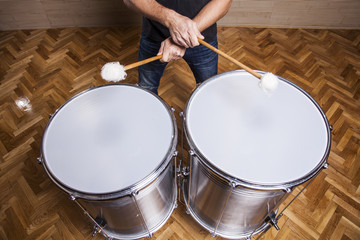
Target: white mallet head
[(113, 72), (269, 83)]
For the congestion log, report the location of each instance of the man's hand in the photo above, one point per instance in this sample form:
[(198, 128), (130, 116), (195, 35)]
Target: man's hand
[(184, 31), (170, 51)]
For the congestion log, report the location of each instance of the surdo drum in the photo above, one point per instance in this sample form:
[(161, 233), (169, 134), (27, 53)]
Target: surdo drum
[(112, 148), (248, 150)]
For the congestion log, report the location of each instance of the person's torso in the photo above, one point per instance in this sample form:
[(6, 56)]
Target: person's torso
[(189, 8)]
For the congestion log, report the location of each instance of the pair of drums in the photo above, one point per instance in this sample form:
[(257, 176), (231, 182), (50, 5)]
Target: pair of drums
[(113, 150)]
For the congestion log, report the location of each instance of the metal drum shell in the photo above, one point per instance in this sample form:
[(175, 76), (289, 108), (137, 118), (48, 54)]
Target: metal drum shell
[(139, 214), (246, 208), (156, 191), (248, 204)]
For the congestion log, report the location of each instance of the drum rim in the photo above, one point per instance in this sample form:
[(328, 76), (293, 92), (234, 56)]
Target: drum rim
[(129, 190), (250, 184)]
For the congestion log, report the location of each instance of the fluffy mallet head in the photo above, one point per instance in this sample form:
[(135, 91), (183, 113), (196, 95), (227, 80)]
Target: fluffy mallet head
[(113, 72), (269, 83)]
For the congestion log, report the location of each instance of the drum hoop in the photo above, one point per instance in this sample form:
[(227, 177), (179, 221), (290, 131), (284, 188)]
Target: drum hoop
[(144, 182), (249, 184)]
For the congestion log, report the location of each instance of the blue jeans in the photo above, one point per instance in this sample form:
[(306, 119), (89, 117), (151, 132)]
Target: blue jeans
[(202, 61)]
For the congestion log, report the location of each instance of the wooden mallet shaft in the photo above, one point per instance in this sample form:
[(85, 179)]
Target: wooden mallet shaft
[(231, 59), (142, 62)]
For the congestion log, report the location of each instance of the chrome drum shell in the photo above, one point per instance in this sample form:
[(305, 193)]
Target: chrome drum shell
[(139, 214), (225, 204), (136, 210), (230, 211)]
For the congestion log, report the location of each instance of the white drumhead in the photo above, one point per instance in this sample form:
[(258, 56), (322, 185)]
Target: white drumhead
[(254, 137), (107, 139)]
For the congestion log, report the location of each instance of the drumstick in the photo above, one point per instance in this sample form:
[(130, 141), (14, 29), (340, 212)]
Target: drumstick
[(142, 62), (268, 81), (114, 71)]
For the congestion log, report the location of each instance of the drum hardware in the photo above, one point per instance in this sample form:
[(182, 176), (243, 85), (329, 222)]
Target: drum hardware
[(182, 172), (134, 194), (99, 223), (185, 171), (191, 156), (181, 114), (177, 176), (232, 186), (326, 165), (273, 218)]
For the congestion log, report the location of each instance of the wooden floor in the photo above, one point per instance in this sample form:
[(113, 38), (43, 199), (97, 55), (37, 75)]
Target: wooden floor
[(41, 69)]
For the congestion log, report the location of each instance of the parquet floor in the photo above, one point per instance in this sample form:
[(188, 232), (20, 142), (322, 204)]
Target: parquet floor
[(41, 69)]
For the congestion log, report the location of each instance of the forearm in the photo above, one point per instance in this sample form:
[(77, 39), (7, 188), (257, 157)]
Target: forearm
[(183, 30), (211, 13), (153, 10)]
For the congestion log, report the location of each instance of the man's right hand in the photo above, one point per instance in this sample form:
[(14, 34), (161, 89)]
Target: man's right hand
[(170, 50), (184, 31)]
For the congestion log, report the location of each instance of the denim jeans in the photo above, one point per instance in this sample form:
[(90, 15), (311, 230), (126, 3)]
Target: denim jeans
[(202, 61)]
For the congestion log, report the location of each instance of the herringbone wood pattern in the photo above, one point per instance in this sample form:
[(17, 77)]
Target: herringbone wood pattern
[(41, 69)]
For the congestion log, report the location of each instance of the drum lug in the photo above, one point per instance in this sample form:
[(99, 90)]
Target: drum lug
[(233, 184), (172, 109), (72, 198), (331, 127), (39, 160), (288, 190), (135, 193), (51, 115), (326, 165)]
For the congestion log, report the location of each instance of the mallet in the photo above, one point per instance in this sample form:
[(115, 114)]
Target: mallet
[(114, 71), (268, 82)]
